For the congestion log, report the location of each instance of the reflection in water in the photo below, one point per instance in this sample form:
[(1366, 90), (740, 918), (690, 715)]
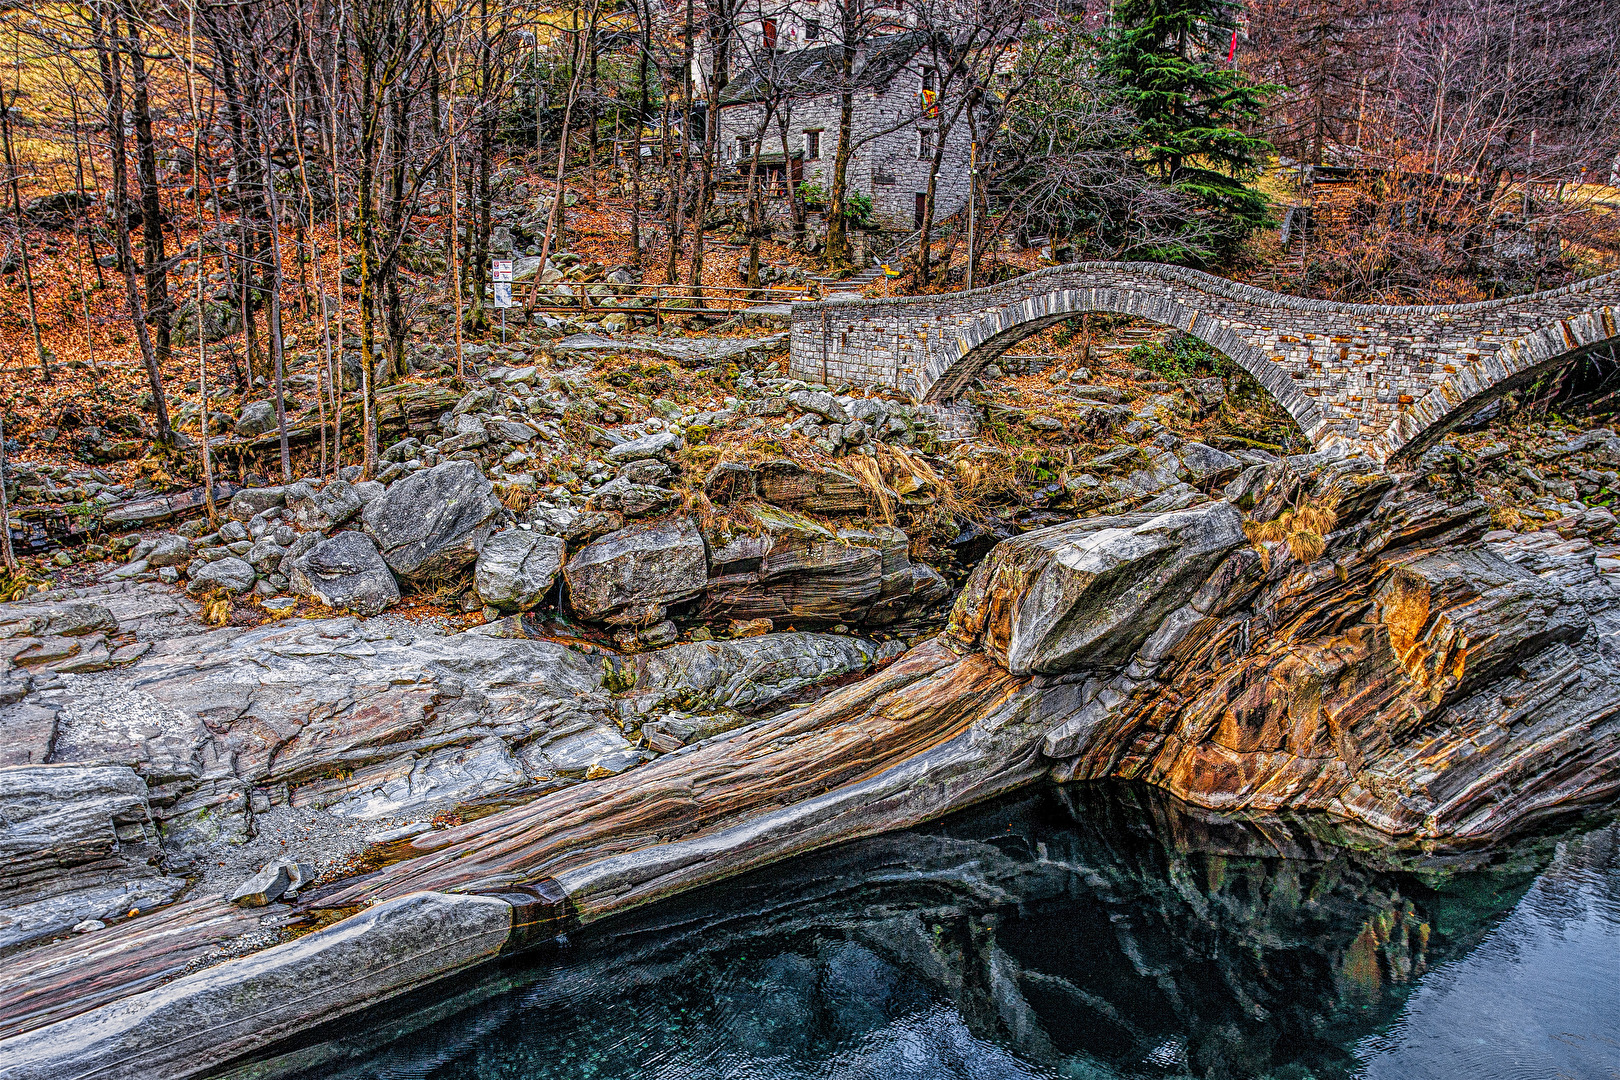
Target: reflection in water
[(1090, 931)]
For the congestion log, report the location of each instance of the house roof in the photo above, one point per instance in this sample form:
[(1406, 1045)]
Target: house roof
[(812, 72)]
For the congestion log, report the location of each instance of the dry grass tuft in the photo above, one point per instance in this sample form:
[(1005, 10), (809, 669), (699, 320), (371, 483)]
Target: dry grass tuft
[(869, 475), (216, 610), (1304, 530), (516, 499)]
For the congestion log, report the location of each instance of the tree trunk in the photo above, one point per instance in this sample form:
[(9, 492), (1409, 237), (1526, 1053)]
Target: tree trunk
[(755, 211), (277, 356), (113, 82), (22, 244), (152, 257), (720, 36), (635, 142), (837, 236)]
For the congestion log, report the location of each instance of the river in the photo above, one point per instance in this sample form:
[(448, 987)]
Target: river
[(1088, 931)]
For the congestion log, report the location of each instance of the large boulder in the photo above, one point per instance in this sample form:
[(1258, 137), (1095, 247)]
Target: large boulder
[(1086, 594), (826, 491), (333, 505), (516, 568), (630, 577), (434, 522), (251, 502), (230, 574), (258, 417), (748, 673), (77, 843), (169, 549), (795, 570), (346, 572), (648, 446)]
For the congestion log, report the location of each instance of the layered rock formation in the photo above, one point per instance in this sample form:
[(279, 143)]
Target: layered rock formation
[(1328, 638)]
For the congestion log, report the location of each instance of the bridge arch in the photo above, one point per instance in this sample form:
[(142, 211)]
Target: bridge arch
[(1476, 385), (1384, 379), (954, 363)]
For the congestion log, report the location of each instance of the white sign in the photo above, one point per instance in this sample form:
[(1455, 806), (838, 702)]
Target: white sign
[(501, 273)]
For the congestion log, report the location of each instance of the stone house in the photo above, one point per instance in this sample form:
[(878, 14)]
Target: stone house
[(896, 120)]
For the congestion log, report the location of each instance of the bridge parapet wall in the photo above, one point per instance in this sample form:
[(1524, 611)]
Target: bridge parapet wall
[(1374, 377)]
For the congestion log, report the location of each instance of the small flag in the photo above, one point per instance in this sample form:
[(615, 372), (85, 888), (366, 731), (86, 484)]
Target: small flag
[(1231, 54)]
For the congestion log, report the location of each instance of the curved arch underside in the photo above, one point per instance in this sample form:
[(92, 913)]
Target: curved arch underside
[(958, 367), (1381, 379)]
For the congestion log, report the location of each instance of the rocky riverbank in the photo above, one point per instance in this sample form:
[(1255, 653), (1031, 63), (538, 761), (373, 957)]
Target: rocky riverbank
[(579, 647), (1323, 637)]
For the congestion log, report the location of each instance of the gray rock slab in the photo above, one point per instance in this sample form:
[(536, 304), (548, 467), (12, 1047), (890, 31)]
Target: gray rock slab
[(1086, 594), (199, 1022), (434, 522)]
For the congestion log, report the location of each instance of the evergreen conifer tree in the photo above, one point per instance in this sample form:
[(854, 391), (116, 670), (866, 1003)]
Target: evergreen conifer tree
[(1167, 56)]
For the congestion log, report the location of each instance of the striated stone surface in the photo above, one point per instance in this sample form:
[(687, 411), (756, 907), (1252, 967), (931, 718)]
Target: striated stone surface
[(346, 572), (516, 569), (75, 844), (830, 492), (798, 571), (434, 522), (326, 713), (630, 577), (1403, 668), (205, 1019), (1413, 678), (1086, 594), (747, 673)]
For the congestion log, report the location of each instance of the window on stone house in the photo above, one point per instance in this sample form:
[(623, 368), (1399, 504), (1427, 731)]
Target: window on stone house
[(812, 30), (742, 148), (769, 27), (812, 145), (928, 77), (925, 144)]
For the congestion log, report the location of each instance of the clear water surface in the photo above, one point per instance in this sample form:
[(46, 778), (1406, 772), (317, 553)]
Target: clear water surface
[(1092, 931)]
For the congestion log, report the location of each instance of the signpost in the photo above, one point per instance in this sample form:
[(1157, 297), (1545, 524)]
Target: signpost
[(501, 278)]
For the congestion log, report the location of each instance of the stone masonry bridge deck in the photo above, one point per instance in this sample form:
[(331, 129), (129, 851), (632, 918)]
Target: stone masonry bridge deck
[(1383, 379)]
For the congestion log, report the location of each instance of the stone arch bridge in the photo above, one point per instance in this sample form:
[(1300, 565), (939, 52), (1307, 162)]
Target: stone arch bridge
[(1383, 379)]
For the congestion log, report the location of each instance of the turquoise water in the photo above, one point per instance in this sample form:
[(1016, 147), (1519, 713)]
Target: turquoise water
[(1088, 931)]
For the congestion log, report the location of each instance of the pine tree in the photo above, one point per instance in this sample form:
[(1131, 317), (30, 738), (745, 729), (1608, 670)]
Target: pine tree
[(1167, 57)]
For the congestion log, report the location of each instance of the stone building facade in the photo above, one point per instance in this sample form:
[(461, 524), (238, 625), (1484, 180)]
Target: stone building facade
[(894, 128)]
